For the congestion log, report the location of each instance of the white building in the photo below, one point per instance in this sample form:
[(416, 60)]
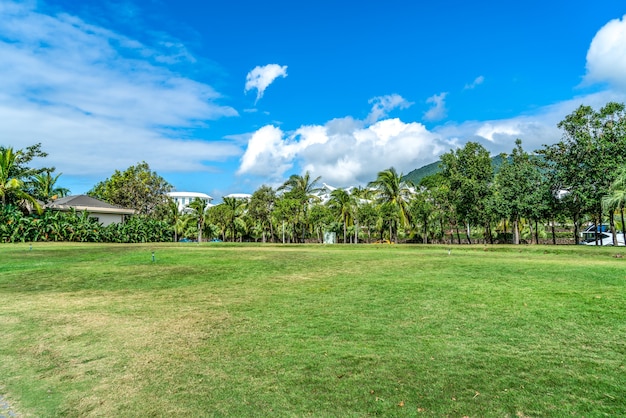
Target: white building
[(183, 199)]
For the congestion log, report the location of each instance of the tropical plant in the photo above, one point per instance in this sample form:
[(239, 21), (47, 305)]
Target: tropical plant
[(45, 188), (303, 190), (615, 200), (343, 206), (395, 194), (12, 188)]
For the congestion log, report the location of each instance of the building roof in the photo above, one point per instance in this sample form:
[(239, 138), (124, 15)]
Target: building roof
[(239, 195), (190, 194), (87, 203)]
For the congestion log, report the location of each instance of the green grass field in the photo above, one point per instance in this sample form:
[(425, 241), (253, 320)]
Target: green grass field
[(359, 330)]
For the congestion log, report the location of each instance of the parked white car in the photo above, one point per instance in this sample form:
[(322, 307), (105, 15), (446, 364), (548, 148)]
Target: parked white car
[(604, 238)]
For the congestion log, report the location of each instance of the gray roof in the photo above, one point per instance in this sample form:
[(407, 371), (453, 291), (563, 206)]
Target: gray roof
[(88, 203)]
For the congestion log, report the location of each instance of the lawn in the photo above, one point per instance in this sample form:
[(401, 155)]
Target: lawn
[(356, 330)]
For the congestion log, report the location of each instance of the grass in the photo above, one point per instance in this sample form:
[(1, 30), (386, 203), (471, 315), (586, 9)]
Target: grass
[(250, 330)]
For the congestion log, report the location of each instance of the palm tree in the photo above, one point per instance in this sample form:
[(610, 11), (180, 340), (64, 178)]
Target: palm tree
[(343, 205), (235, 211), (616, 199), (304, 190), (198, 207), (394, 192), (12, 188), (44, 186)]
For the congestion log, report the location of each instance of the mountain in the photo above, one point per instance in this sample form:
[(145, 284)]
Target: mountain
[(428, 170)]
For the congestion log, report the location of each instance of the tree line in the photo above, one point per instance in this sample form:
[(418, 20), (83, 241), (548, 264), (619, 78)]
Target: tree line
[(531, 196)]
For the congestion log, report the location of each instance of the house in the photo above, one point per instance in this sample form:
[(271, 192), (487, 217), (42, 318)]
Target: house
[(183, 199), (102, 212)]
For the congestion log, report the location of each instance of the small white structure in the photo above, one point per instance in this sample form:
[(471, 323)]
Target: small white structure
[(239, 196), (183, 199), (102, 212)]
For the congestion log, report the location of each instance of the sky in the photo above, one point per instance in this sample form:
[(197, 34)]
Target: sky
[(223, 97)]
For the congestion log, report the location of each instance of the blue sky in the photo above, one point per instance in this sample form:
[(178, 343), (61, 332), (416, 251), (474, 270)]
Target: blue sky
[(221, 97)]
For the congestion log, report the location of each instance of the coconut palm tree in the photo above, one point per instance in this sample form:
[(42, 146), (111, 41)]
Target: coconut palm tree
[(234, 211), (198, 207), (45, 188), (616, 199), (392, 191), (12, 188), (343, 205), (304, 190)]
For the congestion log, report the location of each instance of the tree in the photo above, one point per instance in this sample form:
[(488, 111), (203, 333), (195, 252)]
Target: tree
[(303, 190), (234, 210), (518, 188), (198, 207), (469, 173), (137, 188), (45, 188), (584, 163), (342, 204), (392, 191), (260, 210), (12, 188), (615, 200)]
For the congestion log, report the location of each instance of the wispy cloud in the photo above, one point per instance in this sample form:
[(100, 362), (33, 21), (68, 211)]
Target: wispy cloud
[(382, 105), (438, 111), (606, 57), (477, 82), (98, 100), (261, 77)]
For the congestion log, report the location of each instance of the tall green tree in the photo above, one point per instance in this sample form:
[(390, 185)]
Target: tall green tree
[(518, 186), (342, 204), (615, 200), (137, 188), (260, 210), (304, 190), (234, 210), (12, 187), (198, 207), (45, 187), (395, 193), (584, 163), (469, 173)]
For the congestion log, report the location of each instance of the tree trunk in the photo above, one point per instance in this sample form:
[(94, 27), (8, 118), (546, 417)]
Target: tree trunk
[(516, 231), (468, 233), (536, 232), (623, 226), (505, 239), (553, 232), (612, 226), (576, 238)]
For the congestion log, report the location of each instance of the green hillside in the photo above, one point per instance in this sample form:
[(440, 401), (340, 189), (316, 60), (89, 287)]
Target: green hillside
[(418, 174)]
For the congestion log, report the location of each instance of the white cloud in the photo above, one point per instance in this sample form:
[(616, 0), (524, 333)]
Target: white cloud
[(477, 82), (99, 101), (261, 77), (382, 105), (438, 111), (347, 153), (342, 151), (606, 57)]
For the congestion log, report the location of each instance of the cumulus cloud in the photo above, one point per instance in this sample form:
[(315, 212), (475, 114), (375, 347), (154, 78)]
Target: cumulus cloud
[(343, 151), (346, 152), (382, 105), (261, 77), (606, 57), (438, 111), (99, 101), (477, 82)]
